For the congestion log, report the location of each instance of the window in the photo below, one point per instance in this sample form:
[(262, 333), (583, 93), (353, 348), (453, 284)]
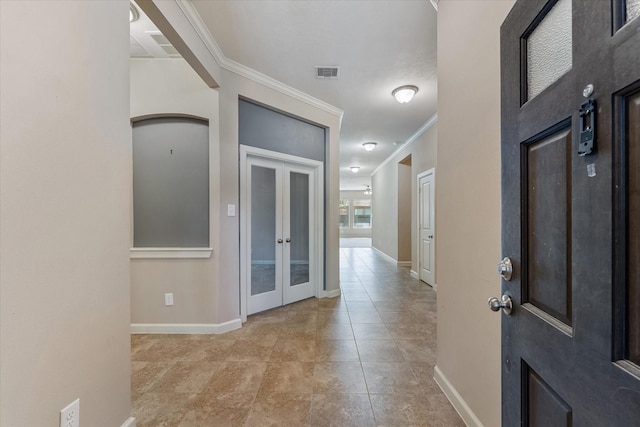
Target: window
[(362, 214), (344, 214)]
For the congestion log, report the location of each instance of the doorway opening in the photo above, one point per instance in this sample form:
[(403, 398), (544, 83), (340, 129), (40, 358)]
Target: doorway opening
[(404, 211)]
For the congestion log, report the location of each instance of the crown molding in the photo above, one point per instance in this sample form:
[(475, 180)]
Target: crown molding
[(202, 31), (432, 121)]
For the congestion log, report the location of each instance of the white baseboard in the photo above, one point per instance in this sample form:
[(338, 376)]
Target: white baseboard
[(414, 274), (331, 294), (185, 328), (465, 412), (131, 422), (390, 258)]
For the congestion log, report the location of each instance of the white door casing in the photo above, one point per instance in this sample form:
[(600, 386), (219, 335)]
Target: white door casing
[(286, 169), (426, 226)]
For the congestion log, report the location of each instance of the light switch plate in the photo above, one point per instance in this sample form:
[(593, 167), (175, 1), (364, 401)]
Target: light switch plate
[(231, 210)]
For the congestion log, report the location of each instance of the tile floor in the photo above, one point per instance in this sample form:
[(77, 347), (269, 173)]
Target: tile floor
[(363, 359)]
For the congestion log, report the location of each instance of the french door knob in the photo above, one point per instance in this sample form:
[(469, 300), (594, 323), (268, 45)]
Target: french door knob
[(505, 268), (505, 304), (279, 240), (288, 240)]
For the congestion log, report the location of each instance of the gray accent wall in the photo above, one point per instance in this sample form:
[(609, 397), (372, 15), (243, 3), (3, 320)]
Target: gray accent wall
[(268, 129), (171, 183)]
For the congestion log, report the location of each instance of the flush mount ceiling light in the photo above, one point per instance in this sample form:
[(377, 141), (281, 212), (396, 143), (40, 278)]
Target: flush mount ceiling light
[(367, 191), (133, 13), (354, 169), (404, 94), (369, 145)]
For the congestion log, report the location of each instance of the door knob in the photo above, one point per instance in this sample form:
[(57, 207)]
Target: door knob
[(430, 236), (505, 304), (279, 240), (505, 268), (288, 240)]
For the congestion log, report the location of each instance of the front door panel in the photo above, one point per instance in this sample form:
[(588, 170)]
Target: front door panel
[(571, 345)]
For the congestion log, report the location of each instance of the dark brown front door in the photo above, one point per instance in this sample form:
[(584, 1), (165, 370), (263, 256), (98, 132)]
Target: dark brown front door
[(571, 213)]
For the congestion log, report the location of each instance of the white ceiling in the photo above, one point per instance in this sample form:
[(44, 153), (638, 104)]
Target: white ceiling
[(378, 45)]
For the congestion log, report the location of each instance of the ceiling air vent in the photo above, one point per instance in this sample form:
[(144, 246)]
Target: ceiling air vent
[(327, 72)]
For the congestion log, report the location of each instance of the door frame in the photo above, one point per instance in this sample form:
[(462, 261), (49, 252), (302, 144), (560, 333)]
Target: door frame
[(317, 250), (419, 206)]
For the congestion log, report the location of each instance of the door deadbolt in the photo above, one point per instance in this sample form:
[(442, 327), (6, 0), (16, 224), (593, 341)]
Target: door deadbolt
[(505, 304), (505, 268)]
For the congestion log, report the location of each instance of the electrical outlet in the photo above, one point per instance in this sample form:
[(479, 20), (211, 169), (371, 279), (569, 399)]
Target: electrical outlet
[(70, 416), (168, 299)]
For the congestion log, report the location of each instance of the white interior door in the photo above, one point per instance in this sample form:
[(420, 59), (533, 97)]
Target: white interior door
[(280, 233), (426, 226), (298, 218)]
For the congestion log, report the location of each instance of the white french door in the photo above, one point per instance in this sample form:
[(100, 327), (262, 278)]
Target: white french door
[(279, 234)]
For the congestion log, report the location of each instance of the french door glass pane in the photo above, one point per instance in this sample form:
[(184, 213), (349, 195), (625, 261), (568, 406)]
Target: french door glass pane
[(263, 230), (549, 53), (633, 232), (299, 228), (633, 9)]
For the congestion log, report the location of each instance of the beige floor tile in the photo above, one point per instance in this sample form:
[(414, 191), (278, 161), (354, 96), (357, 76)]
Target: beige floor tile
[(410, 331), (287, 377), (293, 350), (237, 377), (332, 304), (305, 305), (338, 377), (222, 417), (379, 351), (145, 374), (318, 362), (250, 350), (417, 351), (335, 331), (280, 410), (155, 409), (365, 317), (370, 331), (391, 378), (216, 350), (333, 316), (185, 377), (343, 410), (406, 410), (336, 351), (295, 331)]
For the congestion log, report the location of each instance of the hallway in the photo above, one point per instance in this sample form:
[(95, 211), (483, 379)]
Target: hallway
[(363, 359)]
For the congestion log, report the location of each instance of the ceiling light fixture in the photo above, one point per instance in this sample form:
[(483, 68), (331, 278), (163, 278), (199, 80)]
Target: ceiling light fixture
[(369, 146), (367, 191), (354, 169), (133, 13), (404, 94)]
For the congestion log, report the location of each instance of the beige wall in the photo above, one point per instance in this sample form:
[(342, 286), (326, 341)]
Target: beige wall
[(468, 203), (384, 183), (65, 179), (171, 86)]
